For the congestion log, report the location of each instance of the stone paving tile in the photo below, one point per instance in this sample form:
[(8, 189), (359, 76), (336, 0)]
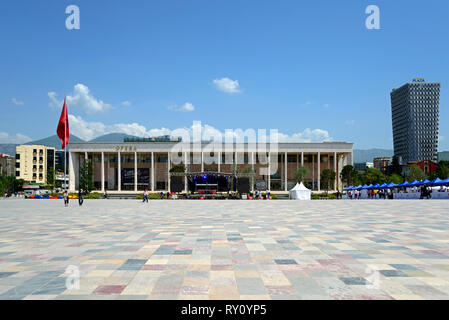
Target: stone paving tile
[(225, 250), (109, 289)]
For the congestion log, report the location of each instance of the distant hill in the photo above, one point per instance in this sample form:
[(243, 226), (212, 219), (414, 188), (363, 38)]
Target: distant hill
[(368, 155), (54, 142), (8, 148), (443, 156), (112, 137)]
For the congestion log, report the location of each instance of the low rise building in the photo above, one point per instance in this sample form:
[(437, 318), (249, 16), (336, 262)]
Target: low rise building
[(382, 163), (33, 162), (362, 166), (427, 166), (6, 164)]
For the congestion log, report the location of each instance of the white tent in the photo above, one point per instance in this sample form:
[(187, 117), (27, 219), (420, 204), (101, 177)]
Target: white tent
[(300, 192)]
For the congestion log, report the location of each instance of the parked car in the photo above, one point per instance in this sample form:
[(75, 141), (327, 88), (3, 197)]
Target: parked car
[(28, 193), (43, 193)]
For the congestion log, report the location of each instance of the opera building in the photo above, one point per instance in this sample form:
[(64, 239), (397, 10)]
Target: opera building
[(136, 166)]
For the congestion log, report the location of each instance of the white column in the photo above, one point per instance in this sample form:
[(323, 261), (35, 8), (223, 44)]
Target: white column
[(73, 171), (336, 171), (302, 159), (269, 171), (135, 171), (253, 179), (313, 171), (168, 171), (152, 171), (219, 161), (340, 167), (119, 174), (319, 171), (185, 170), (285, 172), (202, 161), (85, 155), (102, 171)]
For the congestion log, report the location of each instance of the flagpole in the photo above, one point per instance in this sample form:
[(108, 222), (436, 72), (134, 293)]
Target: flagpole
[(65, 145)]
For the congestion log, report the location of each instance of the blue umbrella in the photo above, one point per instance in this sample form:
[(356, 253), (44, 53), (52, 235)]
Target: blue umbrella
[(392, 185), (404, 184), (424, 182), (414, 183), (436, 182)]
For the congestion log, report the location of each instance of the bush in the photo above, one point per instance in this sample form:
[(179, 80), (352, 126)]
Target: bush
[(330, 196), (93, 195), (151, 196)]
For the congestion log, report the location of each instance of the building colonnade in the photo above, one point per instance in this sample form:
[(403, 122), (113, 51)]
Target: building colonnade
[(137, 170)]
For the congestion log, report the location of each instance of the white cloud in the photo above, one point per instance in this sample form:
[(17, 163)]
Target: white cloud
[(90, 130), (308, 135), (306, 104), (326, 105), (186, 107), (227, 85), (440, 138), (81, 98), (349, 122), (17, 102), (126, 103), (17, 138)]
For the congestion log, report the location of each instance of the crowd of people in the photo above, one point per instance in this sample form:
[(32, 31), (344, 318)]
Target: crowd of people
[(425, 191)]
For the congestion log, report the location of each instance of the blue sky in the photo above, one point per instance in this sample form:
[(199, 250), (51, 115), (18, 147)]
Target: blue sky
[(310, 69)]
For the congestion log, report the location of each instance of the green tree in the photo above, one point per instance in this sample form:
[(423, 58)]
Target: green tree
[(348, 175), (178, 168), (249, 170), (86, 181), (2, 187), (10, 184), (443, 170), (416, 173), (395, 178), (51, 177), (301, 174), (396, 166), (373, 176), (327, 178)]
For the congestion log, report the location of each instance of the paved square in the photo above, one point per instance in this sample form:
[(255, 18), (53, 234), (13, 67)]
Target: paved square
[(169, 249)]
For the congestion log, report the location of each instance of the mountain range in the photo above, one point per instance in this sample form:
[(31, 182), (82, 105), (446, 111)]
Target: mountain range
[(361, 156), (54, 142)]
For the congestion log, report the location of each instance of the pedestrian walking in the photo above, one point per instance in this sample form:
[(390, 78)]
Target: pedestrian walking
[(80, 197), (66, 198), (145, 196)]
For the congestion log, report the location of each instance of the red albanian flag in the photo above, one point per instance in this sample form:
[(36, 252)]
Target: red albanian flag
[(63, 127)]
